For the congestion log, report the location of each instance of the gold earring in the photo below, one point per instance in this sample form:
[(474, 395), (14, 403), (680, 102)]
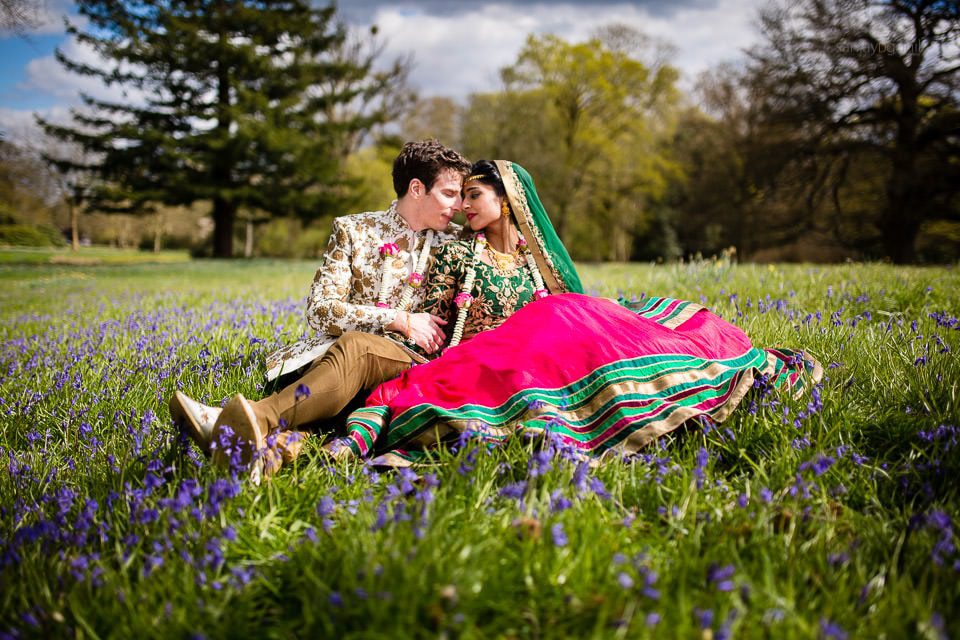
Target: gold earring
[(504, 208)]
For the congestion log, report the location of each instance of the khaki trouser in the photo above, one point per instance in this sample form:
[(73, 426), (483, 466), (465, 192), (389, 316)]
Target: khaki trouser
[(355, 364)]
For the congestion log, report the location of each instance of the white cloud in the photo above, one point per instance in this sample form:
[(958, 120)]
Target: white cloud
[(707, 37), (47, 76), (359, 10), (455, 55), (20, 125), (458, 54)]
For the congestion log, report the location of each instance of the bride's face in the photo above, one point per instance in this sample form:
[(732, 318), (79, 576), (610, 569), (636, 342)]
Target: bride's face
[(481, 205)]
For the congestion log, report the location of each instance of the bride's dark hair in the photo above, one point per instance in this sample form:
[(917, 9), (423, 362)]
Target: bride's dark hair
[(486, 172)]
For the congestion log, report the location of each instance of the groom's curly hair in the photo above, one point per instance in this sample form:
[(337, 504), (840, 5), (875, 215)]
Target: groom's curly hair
[(425, 160)]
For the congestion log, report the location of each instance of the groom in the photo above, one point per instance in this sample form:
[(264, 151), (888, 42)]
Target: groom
[(366, 286)]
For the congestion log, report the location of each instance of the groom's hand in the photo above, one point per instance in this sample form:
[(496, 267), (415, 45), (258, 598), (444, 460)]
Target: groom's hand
[(424, 329)]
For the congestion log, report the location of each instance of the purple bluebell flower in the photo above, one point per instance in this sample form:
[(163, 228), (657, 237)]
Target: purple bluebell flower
[(382, 517), (150, 563), (773, 615), (720, 577), (700, 462), (558, 535), (649, 591), (469, 462), (597, 486), (946, 434), (400, 513), (241, 576), (819, 465), (30, 619), (405, 479), (559, 502), (944, 548), (78, 567), (514, 490), (938, 624), (832, 630), (704, 617), (539, 463), (580, 474)]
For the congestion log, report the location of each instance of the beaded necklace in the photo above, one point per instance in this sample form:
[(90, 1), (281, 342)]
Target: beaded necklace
[(465, 299), (414, 281)]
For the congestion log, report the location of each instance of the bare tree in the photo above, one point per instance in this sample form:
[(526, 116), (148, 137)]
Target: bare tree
[(17, 16), (876, 78)]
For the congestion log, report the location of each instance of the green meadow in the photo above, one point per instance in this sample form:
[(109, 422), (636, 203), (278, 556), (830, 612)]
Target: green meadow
[(832, 515)]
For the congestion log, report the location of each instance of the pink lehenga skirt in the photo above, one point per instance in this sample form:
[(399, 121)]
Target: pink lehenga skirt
[(605, 378)]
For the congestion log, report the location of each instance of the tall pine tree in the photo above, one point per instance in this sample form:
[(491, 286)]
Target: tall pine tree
[(230, 101)]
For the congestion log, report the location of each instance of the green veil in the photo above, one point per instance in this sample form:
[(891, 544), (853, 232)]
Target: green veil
[(556, 267)]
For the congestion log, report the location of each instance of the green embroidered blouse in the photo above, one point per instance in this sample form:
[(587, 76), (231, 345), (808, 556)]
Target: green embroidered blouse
[(496, 295)]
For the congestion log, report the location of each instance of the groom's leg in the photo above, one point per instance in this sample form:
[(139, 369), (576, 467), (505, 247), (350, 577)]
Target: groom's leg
[(356, 362), (290, 443)]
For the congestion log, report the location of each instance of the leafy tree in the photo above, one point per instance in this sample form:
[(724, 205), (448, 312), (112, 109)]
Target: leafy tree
[(857, 86), (589, 121), (743, 182), (247, 104), (435, 117)]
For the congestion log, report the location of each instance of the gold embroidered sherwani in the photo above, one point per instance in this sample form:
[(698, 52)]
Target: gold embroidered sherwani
[(345, 289)]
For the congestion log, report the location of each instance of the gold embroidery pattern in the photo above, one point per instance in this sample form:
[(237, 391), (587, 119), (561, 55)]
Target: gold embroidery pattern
[(345, 289), (352, 264), (512, 182), (496, 296)]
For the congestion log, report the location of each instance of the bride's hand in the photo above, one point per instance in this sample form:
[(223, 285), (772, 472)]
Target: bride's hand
[(424, 329)]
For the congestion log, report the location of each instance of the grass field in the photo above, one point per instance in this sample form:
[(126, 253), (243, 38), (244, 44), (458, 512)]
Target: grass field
[(87, 256), (832, 516)]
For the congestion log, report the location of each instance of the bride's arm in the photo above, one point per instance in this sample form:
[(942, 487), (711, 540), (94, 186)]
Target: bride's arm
[(443, 283)]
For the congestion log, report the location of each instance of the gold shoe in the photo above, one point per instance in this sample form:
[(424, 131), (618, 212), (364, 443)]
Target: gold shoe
[(194, 418), (244, 432)]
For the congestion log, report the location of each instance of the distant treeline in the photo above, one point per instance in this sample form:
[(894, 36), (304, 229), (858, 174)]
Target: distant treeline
[(837, 136)]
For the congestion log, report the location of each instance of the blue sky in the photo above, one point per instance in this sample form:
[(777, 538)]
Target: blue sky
[(458, 46), (16, 54)]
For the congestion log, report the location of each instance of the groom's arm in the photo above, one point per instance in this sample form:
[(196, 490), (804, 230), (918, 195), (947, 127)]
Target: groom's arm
[(328, 309)]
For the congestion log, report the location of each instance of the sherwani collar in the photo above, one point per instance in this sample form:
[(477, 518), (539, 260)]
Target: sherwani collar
[(399, 224), (396, 221)]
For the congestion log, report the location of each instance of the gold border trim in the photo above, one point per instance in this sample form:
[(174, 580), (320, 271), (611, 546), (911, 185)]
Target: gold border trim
[(518, 201)]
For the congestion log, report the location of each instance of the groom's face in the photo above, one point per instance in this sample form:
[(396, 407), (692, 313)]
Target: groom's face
[(442, 201)]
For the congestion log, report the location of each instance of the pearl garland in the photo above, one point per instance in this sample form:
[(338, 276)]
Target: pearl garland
[(464, 299), (415, 279), (541, 290)]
